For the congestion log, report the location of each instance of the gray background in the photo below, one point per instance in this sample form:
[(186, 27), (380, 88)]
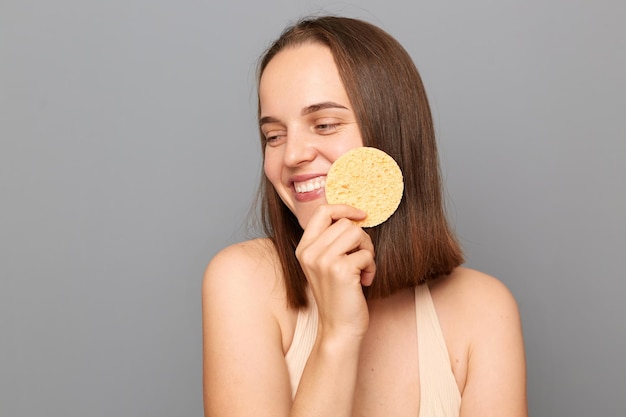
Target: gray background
[(129, 157)]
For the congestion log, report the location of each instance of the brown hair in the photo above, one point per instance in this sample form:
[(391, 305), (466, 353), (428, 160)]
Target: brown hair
[(391, 107)]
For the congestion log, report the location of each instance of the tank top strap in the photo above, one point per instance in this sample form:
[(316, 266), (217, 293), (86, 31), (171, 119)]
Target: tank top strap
[(302, 344), (439, 393)]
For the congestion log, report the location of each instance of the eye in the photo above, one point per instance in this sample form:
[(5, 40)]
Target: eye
[(326, 128), (274, 137)]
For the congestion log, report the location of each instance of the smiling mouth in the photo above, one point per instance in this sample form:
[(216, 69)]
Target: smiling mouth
[(310, 185)]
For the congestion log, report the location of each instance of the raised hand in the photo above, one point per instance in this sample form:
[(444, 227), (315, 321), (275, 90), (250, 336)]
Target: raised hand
[(337, 258)]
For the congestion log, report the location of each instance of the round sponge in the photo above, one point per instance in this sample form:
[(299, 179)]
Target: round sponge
[(368, 179)]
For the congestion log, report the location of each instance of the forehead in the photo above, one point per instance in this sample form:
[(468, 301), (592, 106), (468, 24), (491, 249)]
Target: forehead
[(301, 75)]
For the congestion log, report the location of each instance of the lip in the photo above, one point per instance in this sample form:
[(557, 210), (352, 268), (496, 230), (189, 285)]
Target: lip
[(306, 196)]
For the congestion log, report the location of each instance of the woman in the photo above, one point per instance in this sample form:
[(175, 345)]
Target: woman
[(323, 318)]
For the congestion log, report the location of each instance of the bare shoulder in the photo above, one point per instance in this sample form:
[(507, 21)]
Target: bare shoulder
[(473, 307), (473, 293), (243, 284), (250, 254), (249, 266)]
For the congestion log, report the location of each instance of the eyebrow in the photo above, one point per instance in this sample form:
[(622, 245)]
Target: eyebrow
[(307, 110), (321, 106)]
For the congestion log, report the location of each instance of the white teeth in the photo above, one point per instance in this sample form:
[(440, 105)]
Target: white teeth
[(310, 185)]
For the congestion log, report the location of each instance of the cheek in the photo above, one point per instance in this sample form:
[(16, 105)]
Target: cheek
[(341, 149), (271, 170), (350, 139)]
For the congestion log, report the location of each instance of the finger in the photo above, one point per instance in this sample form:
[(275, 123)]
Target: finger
[(368, 274), (340, 238), (345, 238), (327, 214), (364, 261)]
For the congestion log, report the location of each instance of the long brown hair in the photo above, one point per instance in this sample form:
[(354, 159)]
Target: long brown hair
[(386, 92)]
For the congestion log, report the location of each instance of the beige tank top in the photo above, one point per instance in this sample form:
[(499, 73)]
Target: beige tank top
[(439, 393)]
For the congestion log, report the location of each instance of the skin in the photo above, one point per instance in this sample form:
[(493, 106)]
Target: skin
[(307, 121), (358, 366)]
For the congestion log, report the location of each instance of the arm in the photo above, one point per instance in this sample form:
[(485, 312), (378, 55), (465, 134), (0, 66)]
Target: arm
[(245, 373), (496, 373), (337, 257)]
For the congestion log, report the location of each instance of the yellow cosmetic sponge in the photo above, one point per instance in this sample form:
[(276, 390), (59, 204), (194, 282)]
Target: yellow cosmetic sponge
[(368, 179)]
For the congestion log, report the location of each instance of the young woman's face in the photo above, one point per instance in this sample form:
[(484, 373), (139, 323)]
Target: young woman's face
[(308, 122)]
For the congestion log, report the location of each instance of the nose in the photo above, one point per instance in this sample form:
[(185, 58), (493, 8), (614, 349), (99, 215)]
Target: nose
[(299, 150)]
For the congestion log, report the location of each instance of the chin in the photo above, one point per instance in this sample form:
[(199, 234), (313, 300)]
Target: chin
[(303, 220), (304, 215), (303, 211)]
